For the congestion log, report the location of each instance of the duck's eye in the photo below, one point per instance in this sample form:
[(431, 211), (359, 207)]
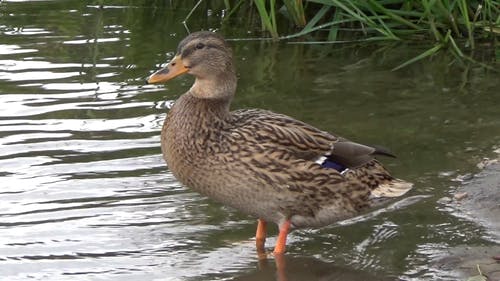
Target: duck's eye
[(200, 46)]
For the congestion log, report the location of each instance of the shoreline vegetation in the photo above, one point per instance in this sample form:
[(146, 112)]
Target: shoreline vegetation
[(461, 27)]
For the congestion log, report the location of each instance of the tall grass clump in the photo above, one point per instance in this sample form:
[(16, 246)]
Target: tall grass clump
[(455, 25)]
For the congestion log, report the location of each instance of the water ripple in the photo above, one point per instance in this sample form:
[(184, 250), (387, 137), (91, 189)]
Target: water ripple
[(85, 193)]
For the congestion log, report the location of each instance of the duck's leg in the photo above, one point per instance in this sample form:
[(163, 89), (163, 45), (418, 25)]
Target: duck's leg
[(280, 262), (260, 236), (281, 243)]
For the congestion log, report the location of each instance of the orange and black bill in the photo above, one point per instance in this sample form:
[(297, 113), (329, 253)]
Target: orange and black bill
[(174, 68)]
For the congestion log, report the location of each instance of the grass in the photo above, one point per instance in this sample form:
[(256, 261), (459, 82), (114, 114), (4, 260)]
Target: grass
[(268, 16), (459, 26)]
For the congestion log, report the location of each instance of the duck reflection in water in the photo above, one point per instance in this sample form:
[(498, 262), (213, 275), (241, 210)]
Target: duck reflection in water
[(290, 268)]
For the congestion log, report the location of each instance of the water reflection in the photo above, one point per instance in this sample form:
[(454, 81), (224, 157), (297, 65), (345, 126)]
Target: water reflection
[(84, 192), (290, 268)]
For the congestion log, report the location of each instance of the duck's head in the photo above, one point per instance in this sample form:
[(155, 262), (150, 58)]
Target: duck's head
[(207, 57)]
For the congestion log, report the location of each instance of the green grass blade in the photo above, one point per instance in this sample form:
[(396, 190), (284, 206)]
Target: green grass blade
[(387, 31), (233, 10), (462, 5), (268, 19), (321, 26), (393, 16), (274, 31), (295, 9), (423, 55), (317, 17), (454, 45), (334, 29), (264, 17)]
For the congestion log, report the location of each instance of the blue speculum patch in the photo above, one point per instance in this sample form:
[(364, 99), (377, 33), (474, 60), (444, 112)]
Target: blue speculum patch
[(333, 165)]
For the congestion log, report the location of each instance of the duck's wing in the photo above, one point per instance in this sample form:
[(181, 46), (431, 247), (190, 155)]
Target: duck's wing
[(302, 140), (320, 169)]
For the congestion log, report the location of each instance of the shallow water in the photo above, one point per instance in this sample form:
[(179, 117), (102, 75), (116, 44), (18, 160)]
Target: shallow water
[(84, 191)]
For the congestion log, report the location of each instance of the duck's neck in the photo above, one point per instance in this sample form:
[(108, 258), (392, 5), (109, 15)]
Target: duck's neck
[(203, 110), (220, 85), (195, 111)]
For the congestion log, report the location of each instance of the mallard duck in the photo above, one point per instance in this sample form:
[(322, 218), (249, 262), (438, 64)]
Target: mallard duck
[(264, 164)]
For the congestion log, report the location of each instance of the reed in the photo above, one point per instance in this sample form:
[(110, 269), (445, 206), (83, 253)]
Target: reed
[(454, 25), (268, 15)]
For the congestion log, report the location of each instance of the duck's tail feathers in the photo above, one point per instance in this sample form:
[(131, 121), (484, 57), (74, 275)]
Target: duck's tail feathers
[(391, 189), (380, 150)]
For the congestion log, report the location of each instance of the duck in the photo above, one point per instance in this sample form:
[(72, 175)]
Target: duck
[(267, 165)]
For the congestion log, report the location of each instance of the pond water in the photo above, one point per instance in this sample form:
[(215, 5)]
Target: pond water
[(86, 195)]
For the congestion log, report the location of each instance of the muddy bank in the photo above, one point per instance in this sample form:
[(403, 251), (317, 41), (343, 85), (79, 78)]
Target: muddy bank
[(463, 262), (477, 199)]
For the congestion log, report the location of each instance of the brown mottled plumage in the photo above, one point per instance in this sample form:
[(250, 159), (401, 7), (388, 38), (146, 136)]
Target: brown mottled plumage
[(264, 164)]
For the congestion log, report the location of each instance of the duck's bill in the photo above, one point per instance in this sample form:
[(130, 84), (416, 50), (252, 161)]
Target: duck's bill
[(174, 68)]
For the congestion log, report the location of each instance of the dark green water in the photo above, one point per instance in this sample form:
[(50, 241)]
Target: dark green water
[(85, 194)]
